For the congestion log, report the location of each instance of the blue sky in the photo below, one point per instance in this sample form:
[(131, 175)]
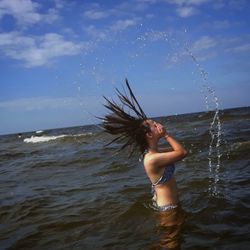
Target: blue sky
[(58, 58)]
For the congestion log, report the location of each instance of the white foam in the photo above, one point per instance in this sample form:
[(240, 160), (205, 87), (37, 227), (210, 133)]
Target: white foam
[(44, 138), (36, 139), (39, 131)]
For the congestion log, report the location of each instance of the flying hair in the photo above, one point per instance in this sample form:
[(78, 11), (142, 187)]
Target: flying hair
[(128, 129)]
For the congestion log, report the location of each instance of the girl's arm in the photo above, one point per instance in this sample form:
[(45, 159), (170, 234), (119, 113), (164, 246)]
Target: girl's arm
[(165, 158), (165, 149)]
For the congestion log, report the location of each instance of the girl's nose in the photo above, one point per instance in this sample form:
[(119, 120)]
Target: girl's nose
[(159, 125)]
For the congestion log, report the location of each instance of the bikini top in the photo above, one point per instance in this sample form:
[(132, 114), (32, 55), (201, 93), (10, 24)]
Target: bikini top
[(167, 174)]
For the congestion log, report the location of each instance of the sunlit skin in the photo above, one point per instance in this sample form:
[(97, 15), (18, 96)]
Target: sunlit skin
[(156, 159)]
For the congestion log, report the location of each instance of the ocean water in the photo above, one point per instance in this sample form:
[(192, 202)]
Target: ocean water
[(65, 190)]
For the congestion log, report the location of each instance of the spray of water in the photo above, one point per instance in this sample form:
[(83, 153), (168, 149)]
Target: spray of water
[(137, 49), (214, 130)]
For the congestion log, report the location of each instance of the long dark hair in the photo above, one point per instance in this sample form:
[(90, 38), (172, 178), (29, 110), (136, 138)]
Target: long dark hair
[(129, 130)]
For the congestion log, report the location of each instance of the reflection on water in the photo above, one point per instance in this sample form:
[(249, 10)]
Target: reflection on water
[(170, 224)]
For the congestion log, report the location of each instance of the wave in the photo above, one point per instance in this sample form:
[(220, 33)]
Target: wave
[(240, 146), (46, 138)]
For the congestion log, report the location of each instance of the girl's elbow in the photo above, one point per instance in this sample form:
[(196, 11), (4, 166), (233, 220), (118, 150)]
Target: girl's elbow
[(184, 153)]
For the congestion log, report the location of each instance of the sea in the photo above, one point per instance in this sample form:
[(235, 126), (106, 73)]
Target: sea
[(66, 189)]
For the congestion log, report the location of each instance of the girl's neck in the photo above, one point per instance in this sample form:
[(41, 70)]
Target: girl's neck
[(153, 148)]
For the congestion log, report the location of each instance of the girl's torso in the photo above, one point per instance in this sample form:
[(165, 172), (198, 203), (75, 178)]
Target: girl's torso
[(163, 182)]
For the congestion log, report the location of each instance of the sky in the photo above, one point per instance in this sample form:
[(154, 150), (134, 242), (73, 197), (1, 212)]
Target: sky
[(59, 58)]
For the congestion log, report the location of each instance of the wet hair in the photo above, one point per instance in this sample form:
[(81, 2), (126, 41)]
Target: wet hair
[(130, 130)]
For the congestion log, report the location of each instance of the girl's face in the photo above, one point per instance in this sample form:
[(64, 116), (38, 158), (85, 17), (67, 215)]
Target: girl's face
[(154, 128)]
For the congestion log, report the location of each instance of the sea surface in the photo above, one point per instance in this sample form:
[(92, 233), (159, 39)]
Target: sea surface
[(64, 189)]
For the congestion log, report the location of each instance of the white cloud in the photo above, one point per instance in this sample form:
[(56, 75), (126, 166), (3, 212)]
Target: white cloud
[(204, 43), (186, 11), (26, 12), (124, 9), (187, 2), (240, 48), (123, 24), (202, 49), (239, 44), (208, 47), (96, 14), (147, 1), (37, 103), (108, 33), (219, 4), (97, 34), (187, 8), (231, 4), (37, 51), (51, 17), (150, 16), (59, 4), (154, 36), (176, 2), (218, 24), (238, 4)]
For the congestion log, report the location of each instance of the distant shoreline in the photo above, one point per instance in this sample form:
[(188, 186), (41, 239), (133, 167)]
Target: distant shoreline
[(87, 125)]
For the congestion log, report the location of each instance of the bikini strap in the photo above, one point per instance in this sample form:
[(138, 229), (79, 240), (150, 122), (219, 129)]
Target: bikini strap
[(157, 182)]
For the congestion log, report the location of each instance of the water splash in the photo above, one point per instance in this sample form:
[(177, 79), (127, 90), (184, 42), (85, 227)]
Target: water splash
[(134, 51), (182, 50), (214, 129)]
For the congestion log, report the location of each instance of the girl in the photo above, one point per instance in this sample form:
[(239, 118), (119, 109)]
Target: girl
[(137, 131)]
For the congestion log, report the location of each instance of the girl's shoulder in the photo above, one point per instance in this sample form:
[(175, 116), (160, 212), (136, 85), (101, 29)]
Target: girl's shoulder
[(149, 164), (148, 159)]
